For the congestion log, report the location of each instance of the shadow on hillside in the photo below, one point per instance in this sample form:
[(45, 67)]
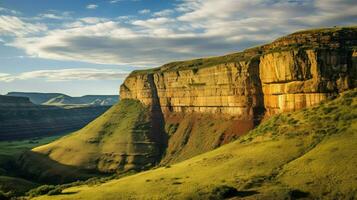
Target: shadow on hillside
[(158, 121), (40, 168), (69, 193), (246, 193)]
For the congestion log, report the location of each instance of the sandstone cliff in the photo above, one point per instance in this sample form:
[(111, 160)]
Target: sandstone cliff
[(293, 72)]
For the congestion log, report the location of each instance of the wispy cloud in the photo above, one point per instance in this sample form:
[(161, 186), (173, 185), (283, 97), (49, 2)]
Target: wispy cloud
[(9, 11), (144, 11), (92, 6), (50, 16), (163, 13), (11, 25), (115, 1), (67, 75)]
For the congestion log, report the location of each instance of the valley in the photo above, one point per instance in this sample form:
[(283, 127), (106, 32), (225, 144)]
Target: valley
[(21, 119)]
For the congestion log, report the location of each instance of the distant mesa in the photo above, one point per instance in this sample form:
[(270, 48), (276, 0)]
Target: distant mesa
[(59, 99), (20, 118)]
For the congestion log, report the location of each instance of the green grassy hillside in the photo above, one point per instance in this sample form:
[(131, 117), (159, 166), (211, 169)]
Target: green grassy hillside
[(310, 153), (119, 140)]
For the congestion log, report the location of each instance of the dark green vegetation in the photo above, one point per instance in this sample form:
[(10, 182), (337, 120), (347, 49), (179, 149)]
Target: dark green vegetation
[(20, 119), (58, 99), (10, 183), (305, 154)]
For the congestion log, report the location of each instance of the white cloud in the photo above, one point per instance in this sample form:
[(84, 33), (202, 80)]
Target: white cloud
[(144, 11), (93, 20), (92, 6), (50, 16), (67, 74), (5, 77), (198, 28), (114, 1), (11, 25), (163, 13), (153, 22)]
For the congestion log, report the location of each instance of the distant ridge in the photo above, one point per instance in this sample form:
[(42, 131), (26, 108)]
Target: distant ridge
[(20, 118), (63, 99)]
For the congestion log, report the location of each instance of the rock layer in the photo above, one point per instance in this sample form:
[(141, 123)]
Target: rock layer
[(293, 72)]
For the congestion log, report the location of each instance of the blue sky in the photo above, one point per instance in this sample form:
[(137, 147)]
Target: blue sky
[(88, 47)]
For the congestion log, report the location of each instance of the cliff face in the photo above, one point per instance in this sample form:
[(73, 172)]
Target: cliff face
[(295, 79), (231, 88), (293, 72)]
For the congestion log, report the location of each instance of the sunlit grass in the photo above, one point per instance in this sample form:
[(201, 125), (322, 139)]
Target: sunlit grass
[(305, 153)]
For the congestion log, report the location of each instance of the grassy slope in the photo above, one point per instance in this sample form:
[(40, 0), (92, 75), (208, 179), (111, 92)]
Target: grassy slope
[(16, 147), (100, 145), (312, 150), (93, 138)]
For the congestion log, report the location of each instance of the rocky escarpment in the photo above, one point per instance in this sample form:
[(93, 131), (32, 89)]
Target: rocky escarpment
[(19, 118), (293, 72), (306, 67), (194, 106)]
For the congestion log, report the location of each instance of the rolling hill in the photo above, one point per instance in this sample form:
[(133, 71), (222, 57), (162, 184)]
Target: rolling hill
[(121, 139)]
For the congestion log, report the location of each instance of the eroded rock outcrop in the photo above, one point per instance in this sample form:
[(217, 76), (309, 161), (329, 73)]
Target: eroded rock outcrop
[(228, 88), (293, 72)]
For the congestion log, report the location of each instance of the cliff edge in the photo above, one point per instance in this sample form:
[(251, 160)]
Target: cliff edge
[(238, 90)]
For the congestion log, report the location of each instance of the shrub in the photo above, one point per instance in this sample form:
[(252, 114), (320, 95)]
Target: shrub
[(222, 192), (55, 191), (42, 190), (297, 194), (5, 196)]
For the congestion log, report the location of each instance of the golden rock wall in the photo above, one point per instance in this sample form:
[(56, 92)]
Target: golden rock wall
[(293, 72)]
